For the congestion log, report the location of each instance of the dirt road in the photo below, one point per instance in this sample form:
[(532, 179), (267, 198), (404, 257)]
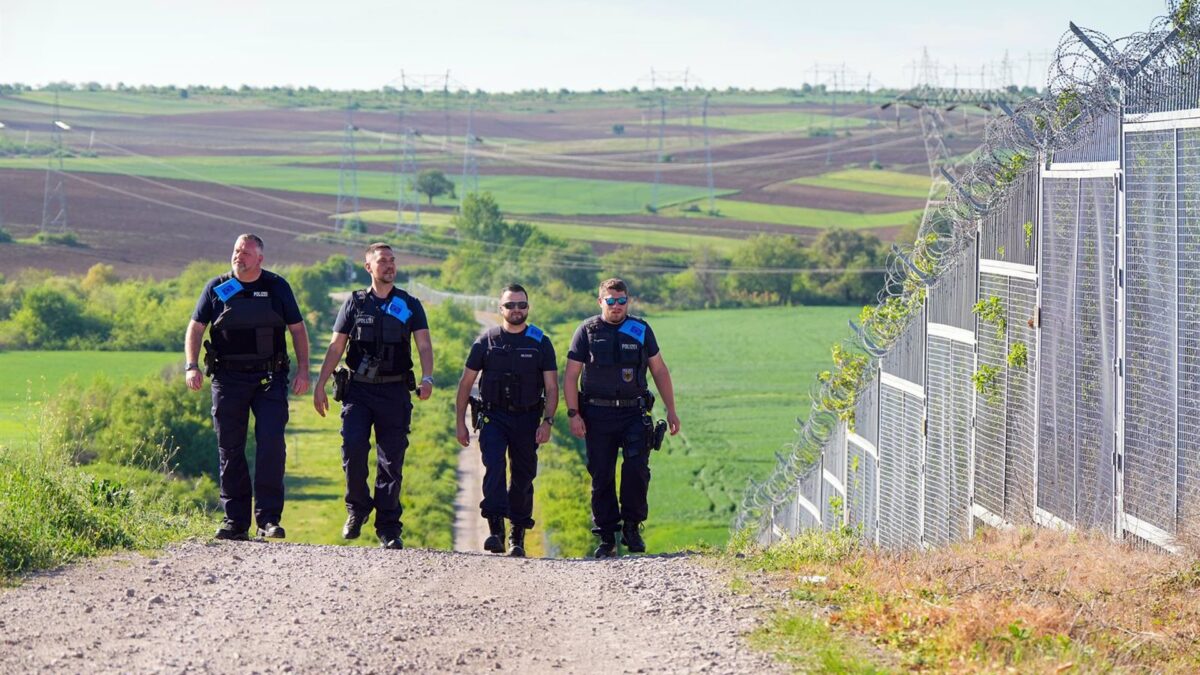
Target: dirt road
[(276, 607)]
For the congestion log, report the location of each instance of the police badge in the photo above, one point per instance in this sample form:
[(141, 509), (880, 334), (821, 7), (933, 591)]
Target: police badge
[(627, 374)]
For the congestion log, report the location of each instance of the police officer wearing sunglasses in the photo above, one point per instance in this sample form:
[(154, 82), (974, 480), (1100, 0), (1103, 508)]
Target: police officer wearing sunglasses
[(610, 410), (518, 394), (379, 325)]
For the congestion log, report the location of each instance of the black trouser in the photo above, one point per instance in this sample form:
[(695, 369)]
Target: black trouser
[(387, 408), (234, 395), (608, 430), (507, 435)]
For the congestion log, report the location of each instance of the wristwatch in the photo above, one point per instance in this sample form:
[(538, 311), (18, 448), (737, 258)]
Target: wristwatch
[(191, 365), (571, 412), (549, 419), (427, 378)]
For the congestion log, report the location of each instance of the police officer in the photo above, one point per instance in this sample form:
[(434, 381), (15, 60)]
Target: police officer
[(379, 324), (518, 394), (613, 351), (249, 308)]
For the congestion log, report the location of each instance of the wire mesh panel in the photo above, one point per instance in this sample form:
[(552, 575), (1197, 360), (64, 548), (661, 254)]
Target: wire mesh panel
[(862, 465), (991, 432), (1151, 92), (947, 442), (901, 439), (950, 301), (1102, 145), (1077, 386), (833, 502), (1020, 426), (1151, 327), (1188, 266), (807, 509), (1007, 233)]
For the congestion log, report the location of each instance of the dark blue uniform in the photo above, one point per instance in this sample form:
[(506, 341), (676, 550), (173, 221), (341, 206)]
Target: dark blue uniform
[(380, 358), (251, 374), (612, 402), (512, 388)]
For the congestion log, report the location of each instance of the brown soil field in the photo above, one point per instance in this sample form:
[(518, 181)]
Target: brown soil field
[(141, 238), (826, 198)]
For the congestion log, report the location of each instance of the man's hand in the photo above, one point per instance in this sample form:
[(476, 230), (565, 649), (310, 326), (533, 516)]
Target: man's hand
[(543, 433), (300, 384), (578, 428), (194, 379), (673, 422), (320, 401), (464, 436), (425, 390)]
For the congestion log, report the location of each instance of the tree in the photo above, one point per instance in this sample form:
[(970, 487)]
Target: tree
[(433, 183), (759, 255)]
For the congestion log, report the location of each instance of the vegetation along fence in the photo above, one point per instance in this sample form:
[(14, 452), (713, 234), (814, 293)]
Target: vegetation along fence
[(1035, 356)]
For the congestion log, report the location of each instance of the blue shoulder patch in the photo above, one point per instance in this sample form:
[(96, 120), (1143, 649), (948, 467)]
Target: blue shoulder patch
[(228, 289), (634, 329), (399, 309), (534, 333)]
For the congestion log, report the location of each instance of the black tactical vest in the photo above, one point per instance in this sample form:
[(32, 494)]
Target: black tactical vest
[(616, 367), (512, 373), (377, 334), (249, 328)]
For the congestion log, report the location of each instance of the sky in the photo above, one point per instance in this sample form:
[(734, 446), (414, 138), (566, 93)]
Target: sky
[(530, 44)]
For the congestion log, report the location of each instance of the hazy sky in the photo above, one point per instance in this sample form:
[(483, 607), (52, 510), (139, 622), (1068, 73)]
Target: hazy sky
[(503, 46)]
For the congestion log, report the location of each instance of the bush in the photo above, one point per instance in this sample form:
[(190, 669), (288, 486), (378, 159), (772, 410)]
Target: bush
[(5, 237)]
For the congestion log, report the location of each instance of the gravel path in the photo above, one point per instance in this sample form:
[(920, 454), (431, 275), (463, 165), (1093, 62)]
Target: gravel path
[(470, 529), (277, 607)]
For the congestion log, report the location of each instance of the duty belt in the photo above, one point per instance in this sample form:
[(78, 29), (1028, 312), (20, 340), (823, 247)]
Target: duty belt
[(380, 379), (253, 366), (513, 408), (616, 402)]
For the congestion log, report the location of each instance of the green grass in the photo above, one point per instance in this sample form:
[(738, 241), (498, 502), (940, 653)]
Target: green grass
[(892, 183), (125, 103), (606, 234), (796, 216), (782, 121), (32, 377), (809, 645), (518, 194)]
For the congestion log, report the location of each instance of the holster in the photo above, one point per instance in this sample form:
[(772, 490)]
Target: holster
[(341, 383), (210, 359), (476, 407), (655, 431)]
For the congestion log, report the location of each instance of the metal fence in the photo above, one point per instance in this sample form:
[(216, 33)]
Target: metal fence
[(1070, 396)]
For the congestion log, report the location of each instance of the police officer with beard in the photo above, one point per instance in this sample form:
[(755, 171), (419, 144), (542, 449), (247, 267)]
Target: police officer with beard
[(518, 394), (610, 411), (378, 323), (249, 309)]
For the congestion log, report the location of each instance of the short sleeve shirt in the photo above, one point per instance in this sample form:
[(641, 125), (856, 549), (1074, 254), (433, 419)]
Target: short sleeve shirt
[(547, 359), (344, 323), (210, 306), (579, 350)]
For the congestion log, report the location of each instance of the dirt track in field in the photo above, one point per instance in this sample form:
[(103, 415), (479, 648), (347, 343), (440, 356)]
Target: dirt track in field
[(277, 608)]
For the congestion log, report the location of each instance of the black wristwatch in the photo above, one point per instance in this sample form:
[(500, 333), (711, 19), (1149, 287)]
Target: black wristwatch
[(571, 412), (191, 365), (549, 419)]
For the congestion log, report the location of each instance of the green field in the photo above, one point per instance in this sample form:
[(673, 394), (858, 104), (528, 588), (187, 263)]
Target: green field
[(891, 183), (125, 103), (795, 216), (30, 378), (518, 194), (627, 235)]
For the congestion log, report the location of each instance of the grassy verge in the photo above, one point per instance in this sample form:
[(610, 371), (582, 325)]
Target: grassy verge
[(892, 183), (1029, 601), (795, 216)]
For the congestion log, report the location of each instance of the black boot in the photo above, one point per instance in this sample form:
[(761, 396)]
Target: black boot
[(516, 542), (495, 541), (607, 547), (632, 538)]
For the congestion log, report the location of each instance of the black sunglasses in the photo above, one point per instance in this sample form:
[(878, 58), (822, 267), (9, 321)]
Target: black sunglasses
[(515, 305), (615, 301)]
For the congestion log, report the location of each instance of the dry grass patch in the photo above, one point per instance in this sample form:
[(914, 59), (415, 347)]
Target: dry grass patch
[(1027, 600)]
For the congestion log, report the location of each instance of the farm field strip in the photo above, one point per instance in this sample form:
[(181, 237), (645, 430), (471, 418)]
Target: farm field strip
[(125, 103), (517, 194), (892, 183), (796, 216), (624, 234)]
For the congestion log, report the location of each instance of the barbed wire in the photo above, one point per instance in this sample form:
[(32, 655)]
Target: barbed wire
[(1091, 78)]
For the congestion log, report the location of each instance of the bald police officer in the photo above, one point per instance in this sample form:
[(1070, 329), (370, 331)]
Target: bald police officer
[(611, 412), (378, 324), (519, 393), (249, 309)]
